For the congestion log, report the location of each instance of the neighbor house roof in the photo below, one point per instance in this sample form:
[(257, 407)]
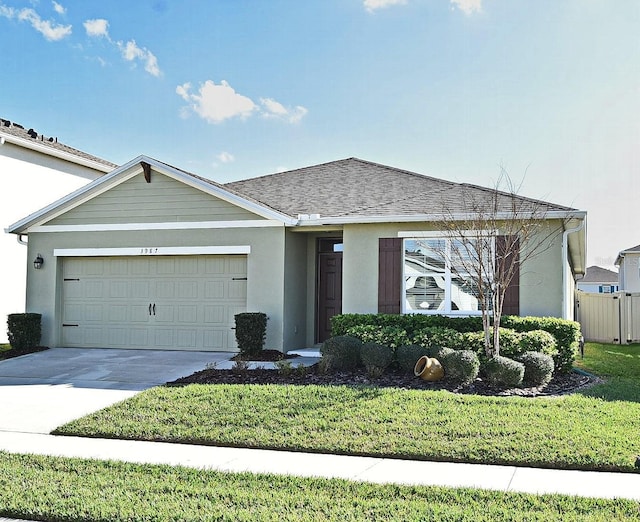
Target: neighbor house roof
[(16, 134), (597, 274), (632, 250), (353, 189)]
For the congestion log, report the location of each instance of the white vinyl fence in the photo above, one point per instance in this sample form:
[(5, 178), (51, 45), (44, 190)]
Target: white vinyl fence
[(609, 318)]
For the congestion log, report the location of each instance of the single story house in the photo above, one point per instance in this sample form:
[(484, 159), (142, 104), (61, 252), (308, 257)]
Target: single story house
[(34, 170), (598, 280), (151, 256), (628, 263)]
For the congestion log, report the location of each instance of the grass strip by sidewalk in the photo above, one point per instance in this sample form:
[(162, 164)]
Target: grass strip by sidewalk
[(573, 432), (55, 489)]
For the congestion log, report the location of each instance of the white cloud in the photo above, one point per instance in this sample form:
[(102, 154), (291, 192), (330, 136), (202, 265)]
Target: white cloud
[(216, 103), (98, 27), (58, 8), (50, 30), (373, 5), (225, 157), (273, 109), (131, 52), (468, 7)]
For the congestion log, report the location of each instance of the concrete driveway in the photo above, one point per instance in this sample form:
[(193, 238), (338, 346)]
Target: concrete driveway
[(41, 391)]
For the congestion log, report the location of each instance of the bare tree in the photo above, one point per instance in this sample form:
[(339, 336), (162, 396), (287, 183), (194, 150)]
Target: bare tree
[(492, 233)]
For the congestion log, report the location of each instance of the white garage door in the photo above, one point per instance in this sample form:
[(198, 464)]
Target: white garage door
[(159, 302)]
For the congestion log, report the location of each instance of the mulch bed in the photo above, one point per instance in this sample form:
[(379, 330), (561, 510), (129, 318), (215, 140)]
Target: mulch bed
[(8, 354), (559, 385)]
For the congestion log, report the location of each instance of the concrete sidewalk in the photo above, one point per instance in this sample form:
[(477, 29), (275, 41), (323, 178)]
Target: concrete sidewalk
[(44, 390), (366, 469)]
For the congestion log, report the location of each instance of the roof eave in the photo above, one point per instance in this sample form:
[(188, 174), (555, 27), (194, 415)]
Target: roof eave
[(415, 218), (60, 154)]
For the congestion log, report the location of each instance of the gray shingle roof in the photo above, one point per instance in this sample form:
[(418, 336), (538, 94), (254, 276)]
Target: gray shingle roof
[(597, 274), (354, 187), (15, 129)]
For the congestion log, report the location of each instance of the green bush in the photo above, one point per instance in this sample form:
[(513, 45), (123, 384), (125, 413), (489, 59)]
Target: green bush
[(251, 330), (439, 352), (538, 341), (376, 358), (538, 368), (341, 353), (503, 372), (473, 341), (392, 336), (438, 336), (567, 335), (509, 342), (407, 356), (461, 366), (24, 330)]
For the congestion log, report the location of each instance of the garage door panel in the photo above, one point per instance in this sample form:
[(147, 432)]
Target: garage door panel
[(92, 289), (237, 289), (179, 302)]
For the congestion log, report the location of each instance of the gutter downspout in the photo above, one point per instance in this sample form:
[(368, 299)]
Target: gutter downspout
[(20, 240), (565, 267)]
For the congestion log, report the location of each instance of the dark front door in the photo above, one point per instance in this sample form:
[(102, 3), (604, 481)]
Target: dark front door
[(329, 288)]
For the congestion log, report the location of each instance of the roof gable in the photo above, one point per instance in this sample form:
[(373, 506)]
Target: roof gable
[(226, 198)]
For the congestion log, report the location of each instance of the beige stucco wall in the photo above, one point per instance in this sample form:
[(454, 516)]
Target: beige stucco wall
[(265, 268), (541, 284)]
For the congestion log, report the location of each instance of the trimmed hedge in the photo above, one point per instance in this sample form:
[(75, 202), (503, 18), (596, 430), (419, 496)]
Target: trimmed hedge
[(439, 336), (24, 330), (251, 330), (392, 336), (566, 333)]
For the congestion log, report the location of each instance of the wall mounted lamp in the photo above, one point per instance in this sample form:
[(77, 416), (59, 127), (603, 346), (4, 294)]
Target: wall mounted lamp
[(38, 262)]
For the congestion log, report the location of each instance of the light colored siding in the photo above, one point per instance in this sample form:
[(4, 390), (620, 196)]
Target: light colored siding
[(163, 200)]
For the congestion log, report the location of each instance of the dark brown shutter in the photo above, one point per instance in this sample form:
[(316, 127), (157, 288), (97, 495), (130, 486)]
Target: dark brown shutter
[(507, 259), (389, 275)]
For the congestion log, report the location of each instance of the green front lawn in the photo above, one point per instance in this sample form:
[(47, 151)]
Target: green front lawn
[(56, 489), (573, 431)]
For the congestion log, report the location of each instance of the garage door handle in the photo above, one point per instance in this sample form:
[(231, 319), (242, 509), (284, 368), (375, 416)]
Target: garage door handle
[(154, 309), (149, 308), (239, 279)]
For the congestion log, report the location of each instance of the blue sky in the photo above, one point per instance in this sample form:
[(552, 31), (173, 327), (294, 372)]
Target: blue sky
[(547, 89)]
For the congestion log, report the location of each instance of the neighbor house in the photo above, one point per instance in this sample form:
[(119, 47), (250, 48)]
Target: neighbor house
[(598, 280), (628, 263), (151, 256), (34, 170)]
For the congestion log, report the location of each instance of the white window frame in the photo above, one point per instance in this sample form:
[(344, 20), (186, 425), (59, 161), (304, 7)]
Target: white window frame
[(435, 235)]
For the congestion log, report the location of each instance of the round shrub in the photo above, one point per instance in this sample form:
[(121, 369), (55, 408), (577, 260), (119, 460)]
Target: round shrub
[(538, 341), (503, 372), (438, 352), (376, 358), (461, 366), (538, 368), (340, 353), (408, 354), (438, 336)]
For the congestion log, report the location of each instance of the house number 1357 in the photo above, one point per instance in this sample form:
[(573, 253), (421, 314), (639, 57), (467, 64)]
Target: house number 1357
[(148, 250)]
